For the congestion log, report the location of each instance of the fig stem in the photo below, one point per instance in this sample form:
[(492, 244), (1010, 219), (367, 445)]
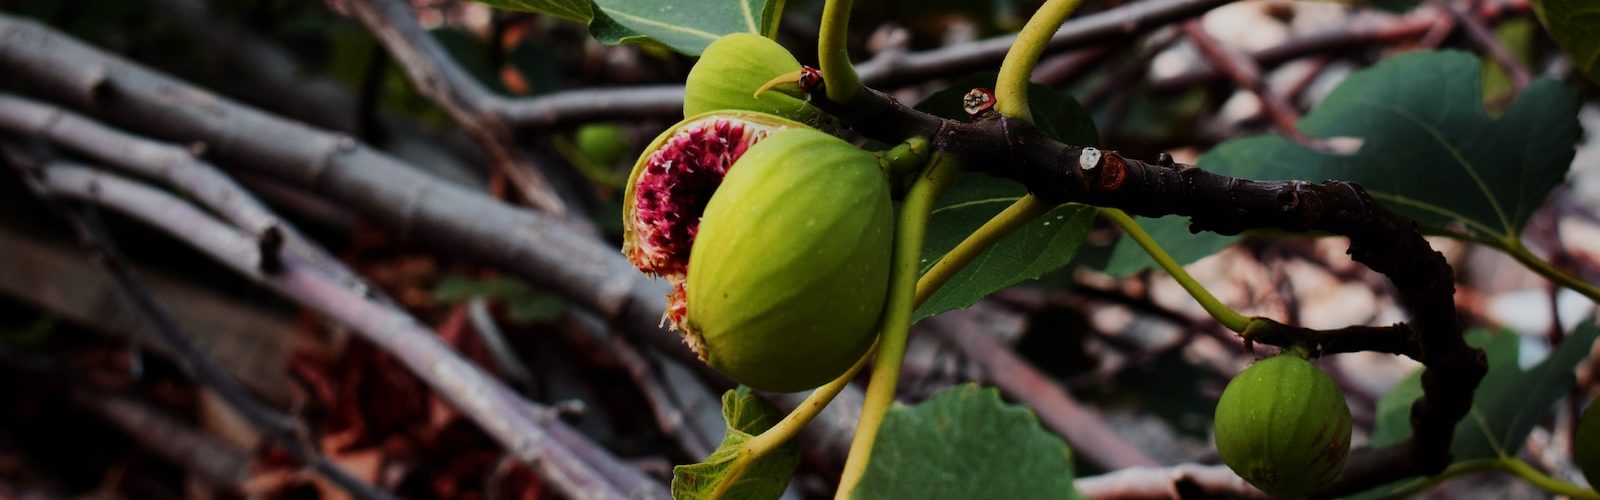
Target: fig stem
[(1228, 317), (1011, 86), (1021, 212), (839, 78), (910, 231), (1516, 250), (1512, 465)]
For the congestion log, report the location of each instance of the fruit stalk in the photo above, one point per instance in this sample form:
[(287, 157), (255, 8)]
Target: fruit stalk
[(840, 80), (910, 230), (1011, 86)]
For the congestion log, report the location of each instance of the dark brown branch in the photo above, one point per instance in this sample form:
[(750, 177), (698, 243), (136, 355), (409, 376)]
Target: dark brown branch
[(1379, 239), (560, 455)]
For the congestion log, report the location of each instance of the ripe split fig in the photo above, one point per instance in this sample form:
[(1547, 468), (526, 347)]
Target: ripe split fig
[(733, 67), (1283, 425), (1587, 445), (776, 238)]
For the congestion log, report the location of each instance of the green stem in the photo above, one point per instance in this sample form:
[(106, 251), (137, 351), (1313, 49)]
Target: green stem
[(838, 76), (1516, 250), (813, 405), (1011, 87), (1548, 484), (1233, 320), (1418, 486), (1022, 211), (909, 234), (1507, 464)]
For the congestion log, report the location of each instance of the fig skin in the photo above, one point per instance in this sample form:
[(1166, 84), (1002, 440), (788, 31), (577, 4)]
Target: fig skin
[(733, 67), (1283, 425), (790, 269), (1587, 446)]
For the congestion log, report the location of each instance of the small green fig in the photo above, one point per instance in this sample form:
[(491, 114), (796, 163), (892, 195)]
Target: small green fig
[(776, 239), (601, 143), (1283, 425), (1587, 445), (730, 71)]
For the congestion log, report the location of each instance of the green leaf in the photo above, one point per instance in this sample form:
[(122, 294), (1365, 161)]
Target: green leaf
[(1041, 246), (1508, 402), (686, 26), (1428, 149), (965, 442), (572, 10), (1575, 25), (1172, 232), (723, 475)]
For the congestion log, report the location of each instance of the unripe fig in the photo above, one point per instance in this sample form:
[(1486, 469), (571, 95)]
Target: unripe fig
[(1283, 425), (602, 143), (776, 239), (1587, 445), (733, 67)]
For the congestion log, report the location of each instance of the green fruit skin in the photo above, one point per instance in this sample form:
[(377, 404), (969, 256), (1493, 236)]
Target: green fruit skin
[(790, 269), (602, 143), (733, 67), (1283, 425), (1588, 444)]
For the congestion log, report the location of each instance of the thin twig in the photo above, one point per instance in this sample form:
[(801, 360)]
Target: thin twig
[(1246, 74), (1486, 40), (441, 80)]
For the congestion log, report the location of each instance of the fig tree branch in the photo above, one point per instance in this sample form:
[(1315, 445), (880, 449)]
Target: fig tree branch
[(1379, 239)]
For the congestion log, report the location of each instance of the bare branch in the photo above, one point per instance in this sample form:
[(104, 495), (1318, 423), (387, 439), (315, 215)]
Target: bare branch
[(539, 248), (278, 427), (1176, 482), (559, 454)]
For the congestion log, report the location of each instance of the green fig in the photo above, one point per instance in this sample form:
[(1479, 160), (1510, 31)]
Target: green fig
[(1587, 445), (776, 238), (601, 143), (734, 67), (1283, 425)]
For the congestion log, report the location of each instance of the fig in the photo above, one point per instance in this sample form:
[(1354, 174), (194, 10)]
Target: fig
[(1283, 425), (602, 143), (731, 70), (776, 238), (1587, 445)]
